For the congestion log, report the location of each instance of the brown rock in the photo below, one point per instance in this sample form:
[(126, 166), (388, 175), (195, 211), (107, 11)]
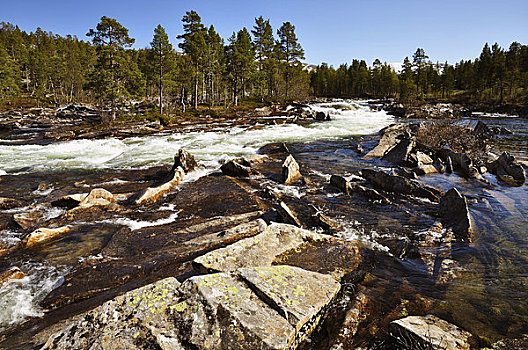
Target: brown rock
[(235, 169), (153, 194), (97, 196), (14, 273), (290, 171), (9, 203), (287, 215), (185, 160), (43, 235), (455, 214)]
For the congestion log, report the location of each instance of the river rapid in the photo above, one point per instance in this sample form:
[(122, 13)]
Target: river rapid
[(489, 296)]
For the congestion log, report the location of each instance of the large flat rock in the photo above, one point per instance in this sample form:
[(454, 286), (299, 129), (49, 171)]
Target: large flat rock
[(260, 250)]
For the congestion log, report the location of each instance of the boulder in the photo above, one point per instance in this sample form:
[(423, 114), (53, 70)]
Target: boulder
[(290, 171), (153, 194), (185, 160), (340, 183), (13, 273), (399, 184), (461, 162), (28, 219), (43, 235), (321, 116), (97, 196), (508, 169), (482, 130), (455, 214), (512, 344), (389, 139), (349, 187), (9, 203), (138, 319), (400, 153), (260, 250), (429, 332), (253, 308), (235, 169)]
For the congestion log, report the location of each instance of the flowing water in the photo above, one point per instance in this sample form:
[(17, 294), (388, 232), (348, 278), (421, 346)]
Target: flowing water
[(489, 297)]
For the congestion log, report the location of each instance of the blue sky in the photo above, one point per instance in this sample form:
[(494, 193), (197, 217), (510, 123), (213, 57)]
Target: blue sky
[(330, 31)]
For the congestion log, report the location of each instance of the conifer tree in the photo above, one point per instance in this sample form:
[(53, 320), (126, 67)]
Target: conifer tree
[(163, 58), (263, 44), (289, 50)]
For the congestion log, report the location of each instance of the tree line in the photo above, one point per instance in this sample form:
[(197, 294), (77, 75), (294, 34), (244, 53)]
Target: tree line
[(205, 70), (496, 76)]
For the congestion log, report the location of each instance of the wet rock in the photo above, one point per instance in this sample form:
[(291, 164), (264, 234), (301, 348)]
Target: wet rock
[(185, 160), (460, 162), (482, 130), (97, 196), (13, 273), (287, 215), (290, 171), (389, 139), (138, 319), (70, 201), (340, 183), (400, 153), (321, 220), (350, 187), (27, 219), (43, 235), (455, 214), (235, 169), (321, 116), (260, 250), (429, 332), (508, 169), (512, 344), (9, 203), (153, 194), (399, 184), (355, 314), (449, 165)]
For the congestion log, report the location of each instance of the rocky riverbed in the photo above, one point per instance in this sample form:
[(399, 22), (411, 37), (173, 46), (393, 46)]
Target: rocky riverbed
[(317, 235)]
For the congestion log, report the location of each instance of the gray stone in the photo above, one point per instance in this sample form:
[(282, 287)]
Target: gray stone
[(185, 160), (287, 215), (429, 332), (153, 194), (290, 171), (235, 169), (508, 169), (455, 214)]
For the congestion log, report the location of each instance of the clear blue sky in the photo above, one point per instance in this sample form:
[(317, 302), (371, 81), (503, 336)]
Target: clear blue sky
[(333, 31)]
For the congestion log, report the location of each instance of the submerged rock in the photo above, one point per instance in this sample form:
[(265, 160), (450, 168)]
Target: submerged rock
[(43, 235), (399, 184), (429, 332), (455, 214), (153, 194), (290, 171)]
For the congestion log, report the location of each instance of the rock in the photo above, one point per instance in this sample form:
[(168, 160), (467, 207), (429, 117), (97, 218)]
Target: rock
[(43, 235), (461, 162), (340, 183), (185, 160), (422, 158), (13, 273), (400, 153), (287, 215), (429, 332), (455, 214), (27, 219), (9, 203), (389, 140), (290, 171), (235, 169), (512, 344), (399, 184), (138, 319), (358, 149), (321, 116), (506, 166), (255, 308), (70, 201), (425, 169), (153, 194), (260, 250), (321, 220), (449, 165), (97, 196), (482, 130)]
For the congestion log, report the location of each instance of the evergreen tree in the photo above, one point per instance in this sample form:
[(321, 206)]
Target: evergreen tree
[(240, 58), (163, 58), (263, 44), (108, 79), (289, 50)]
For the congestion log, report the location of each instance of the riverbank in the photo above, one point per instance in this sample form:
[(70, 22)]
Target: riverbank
[(389, 243)]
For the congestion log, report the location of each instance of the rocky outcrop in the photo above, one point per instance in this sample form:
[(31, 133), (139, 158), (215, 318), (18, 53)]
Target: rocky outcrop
[(428, 110), (28, 219), (70, 201), (185, 160), (290, 171), (459, 161), (399, 184), (251, 308), (455, 214), (153, 194), (43, 235), (429, 332), (13, 273), (400, 153), (507, 169), (389, 139)]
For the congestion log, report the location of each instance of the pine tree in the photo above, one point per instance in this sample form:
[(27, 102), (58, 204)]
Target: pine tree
[(110, 39), (163, 58), (194, 45), (289, 50), (240, 57), (263, 44)]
